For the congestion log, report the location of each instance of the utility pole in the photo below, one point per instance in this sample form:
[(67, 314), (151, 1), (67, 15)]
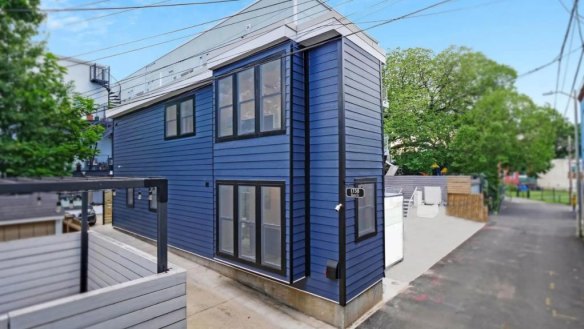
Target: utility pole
[(571, 191), (578, 165), (574, 95)]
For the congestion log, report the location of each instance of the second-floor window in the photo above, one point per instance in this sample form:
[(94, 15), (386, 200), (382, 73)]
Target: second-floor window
[(180, 118), (249, 102)]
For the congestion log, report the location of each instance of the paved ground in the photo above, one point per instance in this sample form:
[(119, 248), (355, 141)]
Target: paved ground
[(428, 240), (524, 270), (215, 301)]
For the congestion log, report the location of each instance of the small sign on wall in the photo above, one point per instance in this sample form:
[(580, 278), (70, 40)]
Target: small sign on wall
[(355, 192)]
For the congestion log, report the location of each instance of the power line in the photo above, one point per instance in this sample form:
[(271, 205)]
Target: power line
[(579, 61), (94, 3), (563, 47), (232, 41), (190, 27), (568, 57), (162, 92), (114, 13), (543, 66), (237, 39), (77, 9)]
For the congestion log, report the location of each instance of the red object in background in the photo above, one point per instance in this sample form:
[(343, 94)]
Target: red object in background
[(89, 117), (512, 179)]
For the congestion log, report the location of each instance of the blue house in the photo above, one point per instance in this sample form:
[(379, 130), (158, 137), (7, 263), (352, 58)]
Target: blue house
[(260, 140)]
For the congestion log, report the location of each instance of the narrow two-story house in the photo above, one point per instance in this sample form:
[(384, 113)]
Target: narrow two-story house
[(261, 124)]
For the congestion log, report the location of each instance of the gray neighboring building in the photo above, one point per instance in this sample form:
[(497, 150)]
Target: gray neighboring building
[(92, 80)]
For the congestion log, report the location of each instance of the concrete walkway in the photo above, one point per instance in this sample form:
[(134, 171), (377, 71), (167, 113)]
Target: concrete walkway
[(524, 270), (215, 301)]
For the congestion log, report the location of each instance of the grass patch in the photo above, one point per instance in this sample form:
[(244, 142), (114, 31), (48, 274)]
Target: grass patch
[(549, 196)]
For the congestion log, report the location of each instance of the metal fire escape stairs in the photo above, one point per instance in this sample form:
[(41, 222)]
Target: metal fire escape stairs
[(101, 75)]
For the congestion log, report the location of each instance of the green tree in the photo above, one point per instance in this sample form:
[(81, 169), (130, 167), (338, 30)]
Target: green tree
[(42, 125), (504, 130), (427, 94)]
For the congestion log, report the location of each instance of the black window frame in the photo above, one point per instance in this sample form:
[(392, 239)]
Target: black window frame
[(154, 200), (257, 99), (130, 192), (258, 220), (360, 181), (177, 103)]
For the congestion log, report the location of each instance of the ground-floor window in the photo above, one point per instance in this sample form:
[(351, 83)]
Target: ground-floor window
[(250, 223)]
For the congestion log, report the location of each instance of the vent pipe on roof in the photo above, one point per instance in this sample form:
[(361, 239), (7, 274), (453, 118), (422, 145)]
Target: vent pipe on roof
[(295, 11)]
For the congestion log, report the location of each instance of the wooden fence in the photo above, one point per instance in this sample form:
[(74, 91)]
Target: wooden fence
[(469, 206), (462, 203), (459, 184), (22, 230)]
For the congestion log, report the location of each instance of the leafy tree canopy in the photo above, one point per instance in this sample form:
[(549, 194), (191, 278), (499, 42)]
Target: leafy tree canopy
[(460, 109), (427, 95), (42, 125)]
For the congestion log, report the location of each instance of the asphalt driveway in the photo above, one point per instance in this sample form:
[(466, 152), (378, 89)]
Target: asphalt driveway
[(525, 269)]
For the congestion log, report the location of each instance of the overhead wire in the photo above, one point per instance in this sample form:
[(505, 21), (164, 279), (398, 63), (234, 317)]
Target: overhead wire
[(93, 3), (93, 18), (562, 49), (227, 43), (567, 62), (572, 88), (220, 46), (152, 6), (340, 37), (182, 37), (184, 29)]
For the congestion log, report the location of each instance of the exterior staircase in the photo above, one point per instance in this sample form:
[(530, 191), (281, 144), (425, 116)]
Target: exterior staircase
[(114, 99), (408, 201)]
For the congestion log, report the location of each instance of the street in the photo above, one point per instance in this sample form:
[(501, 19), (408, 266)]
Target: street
[(525, 269)]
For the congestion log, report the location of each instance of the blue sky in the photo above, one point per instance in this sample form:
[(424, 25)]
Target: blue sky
[(520, 33)]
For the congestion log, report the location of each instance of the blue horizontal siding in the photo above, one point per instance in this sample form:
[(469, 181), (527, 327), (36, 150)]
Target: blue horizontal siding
[(298, 167), (323, 107), (189, 163), (141, 150), (364, 159)]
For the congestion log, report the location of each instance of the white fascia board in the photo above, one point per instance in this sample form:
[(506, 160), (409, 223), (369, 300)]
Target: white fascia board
[(335, 24), (248, 47), (161, 94)]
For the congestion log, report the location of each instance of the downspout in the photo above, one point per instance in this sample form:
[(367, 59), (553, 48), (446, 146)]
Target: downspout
[(342, 172)]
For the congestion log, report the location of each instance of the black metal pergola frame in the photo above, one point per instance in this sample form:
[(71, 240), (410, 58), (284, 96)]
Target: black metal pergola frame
[(85, 184)]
